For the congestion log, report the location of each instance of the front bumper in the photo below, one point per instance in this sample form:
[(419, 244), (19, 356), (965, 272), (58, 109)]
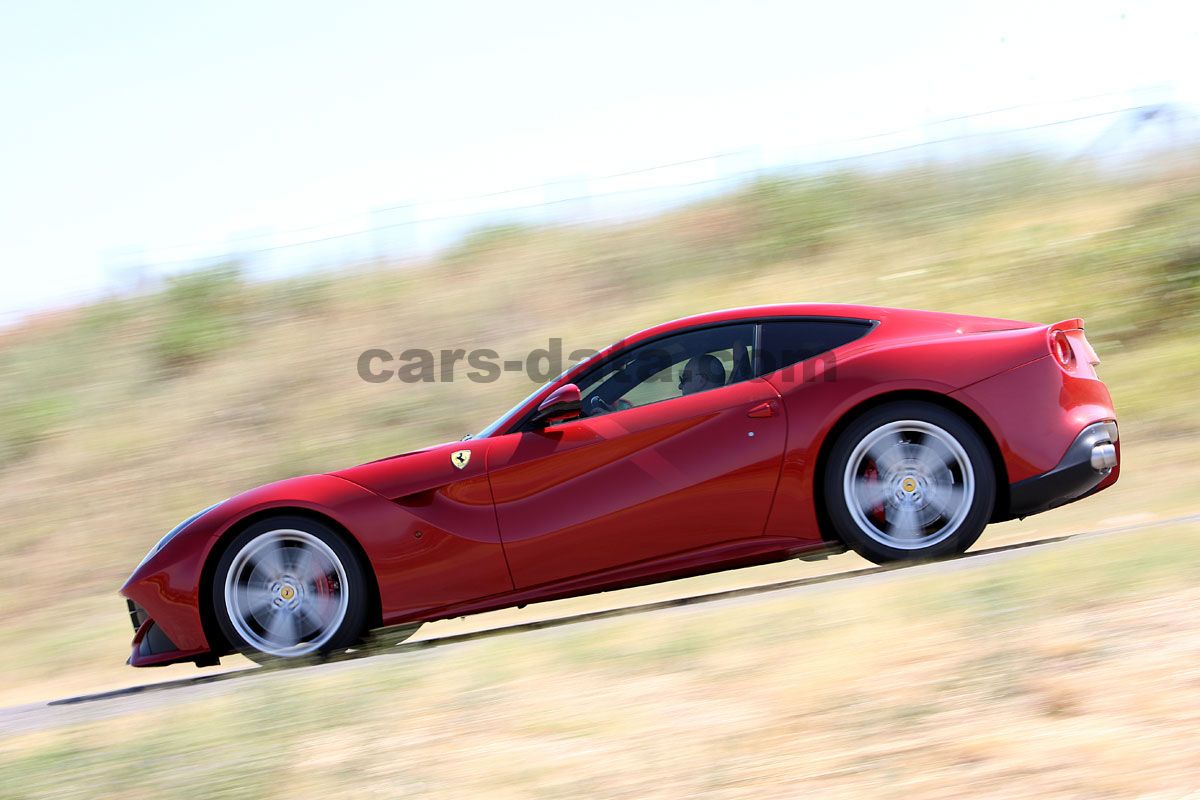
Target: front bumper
[(1091, 463), (151, 647)]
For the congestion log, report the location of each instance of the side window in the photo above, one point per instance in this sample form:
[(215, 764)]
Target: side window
[(787, 342), (686, 363)]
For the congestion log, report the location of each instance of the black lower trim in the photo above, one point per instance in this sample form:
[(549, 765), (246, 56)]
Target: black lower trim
[(155, 642), (137, 614), (1070, 480)]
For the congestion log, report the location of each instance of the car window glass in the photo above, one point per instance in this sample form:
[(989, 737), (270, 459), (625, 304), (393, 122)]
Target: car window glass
[(667, 368), (787, 342)]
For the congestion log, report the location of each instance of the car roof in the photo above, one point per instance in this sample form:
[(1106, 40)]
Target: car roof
[(909, 320), (765, 311)]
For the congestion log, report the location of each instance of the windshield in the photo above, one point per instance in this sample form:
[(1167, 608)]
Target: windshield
[(504, 418)]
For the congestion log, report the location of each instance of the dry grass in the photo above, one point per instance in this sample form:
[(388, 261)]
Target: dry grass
[(1066, 673)]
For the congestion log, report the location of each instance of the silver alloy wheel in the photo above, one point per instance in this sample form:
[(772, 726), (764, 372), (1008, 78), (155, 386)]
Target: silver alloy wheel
[(286, 593), (909, 484)]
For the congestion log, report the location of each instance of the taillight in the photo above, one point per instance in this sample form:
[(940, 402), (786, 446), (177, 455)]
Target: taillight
[(1060, 346)]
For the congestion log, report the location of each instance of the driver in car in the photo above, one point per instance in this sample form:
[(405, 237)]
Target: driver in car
[(701, 373)]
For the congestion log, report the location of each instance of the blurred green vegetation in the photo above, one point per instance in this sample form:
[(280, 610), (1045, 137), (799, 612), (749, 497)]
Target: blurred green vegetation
[(120, 418), (1168, 244), (27, 421), (199, 314), (486, 240)]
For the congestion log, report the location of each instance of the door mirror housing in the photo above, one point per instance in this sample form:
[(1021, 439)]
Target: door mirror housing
[(562, 404)]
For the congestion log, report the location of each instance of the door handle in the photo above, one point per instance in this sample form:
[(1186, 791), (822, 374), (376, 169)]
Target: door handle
[(764, 409)]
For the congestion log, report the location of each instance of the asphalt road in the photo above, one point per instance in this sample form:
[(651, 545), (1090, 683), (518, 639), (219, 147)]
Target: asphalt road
[(105, 705)]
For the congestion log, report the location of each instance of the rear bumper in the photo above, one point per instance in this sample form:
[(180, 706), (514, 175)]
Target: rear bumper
[(1090, 464)]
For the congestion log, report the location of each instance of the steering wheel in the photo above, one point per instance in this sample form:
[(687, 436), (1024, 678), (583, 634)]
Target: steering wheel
[(597, 405)]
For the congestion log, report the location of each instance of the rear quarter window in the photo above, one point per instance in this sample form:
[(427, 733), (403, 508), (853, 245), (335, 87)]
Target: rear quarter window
[(787, 342)]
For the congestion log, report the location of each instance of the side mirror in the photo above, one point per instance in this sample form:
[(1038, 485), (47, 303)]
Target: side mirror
[(563, 403)]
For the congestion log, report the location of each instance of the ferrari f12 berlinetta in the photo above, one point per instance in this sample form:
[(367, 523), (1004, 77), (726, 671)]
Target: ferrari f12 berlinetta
[(722, 440)]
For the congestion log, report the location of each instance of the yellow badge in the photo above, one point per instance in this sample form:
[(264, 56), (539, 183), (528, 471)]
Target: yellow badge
[(459, 458)]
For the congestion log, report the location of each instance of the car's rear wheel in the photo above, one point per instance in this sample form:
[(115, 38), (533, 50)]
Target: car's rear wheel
[(909, 480), (289, 588)]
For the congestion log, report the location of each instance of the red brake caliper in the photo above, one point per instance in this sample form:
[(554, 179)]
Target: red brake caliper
[(877, 514), (323, 587)]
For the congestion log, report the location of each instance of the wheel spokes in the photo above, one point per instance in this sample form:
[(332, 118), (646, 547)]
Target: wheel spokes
[(315, 613), (870, 493), (281, 628), (904, 524), (946, 498), (272, 560), (884, 452), (257, 599)]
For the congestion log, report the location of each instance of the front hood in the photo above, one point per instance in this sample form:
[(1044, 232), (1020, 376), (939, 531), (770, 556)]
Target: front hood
[(418, 470)]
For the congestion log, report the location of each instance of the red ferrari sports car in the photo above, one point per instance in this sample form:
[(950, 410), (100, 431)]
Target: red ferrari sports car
[(722, 440)]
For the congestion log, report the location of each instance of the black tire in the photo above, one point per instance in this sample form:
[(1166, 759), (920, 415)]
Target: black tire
[(897, 494), (335, 571)]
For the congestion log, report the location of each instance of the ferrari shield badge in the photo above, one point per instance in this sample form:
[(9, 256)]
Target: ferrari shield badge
[(459, 458)]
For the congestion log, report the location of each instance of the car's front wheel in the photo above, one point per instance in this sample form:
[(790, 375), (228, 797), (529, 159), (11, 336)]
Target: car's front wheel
[(290, 587), (909, 480)]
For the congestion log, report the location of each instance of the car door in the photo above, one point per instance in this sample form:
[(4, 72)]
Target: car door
[(665, 476)]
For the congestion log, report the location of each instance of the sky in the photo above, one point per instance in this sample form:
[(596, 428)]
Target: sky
[(143, 126)]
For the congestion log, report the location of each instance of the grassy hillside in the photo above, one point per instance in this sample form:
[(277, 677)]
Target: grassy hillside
[(119, 419)]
